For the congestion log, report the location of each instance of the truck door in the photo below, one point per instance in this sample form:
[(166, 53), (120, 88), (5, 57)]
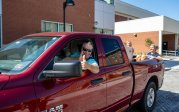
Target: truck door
[(118, 73), (86, 93)]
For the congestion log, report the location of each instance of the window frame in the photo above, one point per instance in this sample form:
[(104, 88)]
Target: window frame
[(79, 39), (105, 58), (104, 31), (58, 26)]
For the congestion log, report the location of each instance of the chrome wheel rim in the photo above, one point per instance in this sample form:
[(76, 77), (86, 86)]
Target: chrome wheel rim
[(150, 97)]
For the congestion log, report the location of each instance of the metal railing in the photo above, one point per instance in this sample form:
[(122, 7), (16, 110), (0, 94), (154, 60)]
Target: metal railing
[(169, 53)]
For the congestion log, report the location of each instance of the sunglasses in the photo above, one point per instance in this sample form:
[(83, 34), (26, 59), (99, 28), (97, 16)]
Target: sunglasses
[(89, 50)]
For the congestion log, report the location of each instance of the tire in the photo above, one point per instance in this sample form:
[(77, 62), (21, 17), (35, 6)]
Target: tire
[(148, 101)]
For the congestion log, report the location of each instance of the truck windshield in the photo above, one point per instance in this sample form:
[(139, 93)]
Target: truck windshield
[(18, 55)]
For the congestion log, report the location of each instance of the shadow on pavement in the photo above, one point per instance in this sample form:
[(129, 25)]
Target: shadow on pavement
[(167, 101), (170, 63)]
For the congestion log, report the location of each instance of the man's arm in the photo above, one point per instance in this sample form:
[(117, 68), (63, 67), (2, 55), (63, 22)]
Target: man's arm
[(159, 58), (94, 68)]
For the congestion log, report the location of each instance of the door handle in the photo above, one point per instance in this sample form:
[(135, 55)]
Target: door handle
[(126, 73), (97, 81)]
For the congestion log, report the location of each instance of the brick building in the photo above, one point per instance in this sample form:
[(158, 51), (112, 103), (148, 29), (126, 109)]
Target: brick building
[(22, 17)]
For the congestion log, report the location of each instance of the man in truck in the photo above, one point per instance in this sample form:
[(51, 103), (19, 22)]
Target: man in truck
[(87, 61), (153, 54)]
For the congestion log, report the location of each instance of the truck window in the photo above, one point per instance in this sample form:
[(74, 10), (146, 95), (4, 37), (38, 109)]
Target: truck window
[(72, 51), (19, 55), (112, 51)]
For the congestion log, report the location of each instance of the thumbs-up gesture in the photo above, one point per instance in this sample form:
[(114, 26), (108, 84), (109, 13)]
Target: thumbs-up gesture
[(84, 64)]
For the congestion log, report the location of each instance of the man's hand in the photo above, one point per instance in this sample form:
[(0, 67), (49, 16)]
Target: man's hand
[(84, 64), (91, 67)]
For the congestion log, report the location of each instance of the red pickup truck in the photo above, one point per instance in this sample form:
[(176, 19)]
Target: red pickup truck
[(36, 74)]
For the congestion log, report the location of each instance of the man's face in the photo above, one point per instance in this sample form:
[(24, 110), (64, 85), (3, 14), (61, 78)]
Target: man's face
[(87, 49), (152, 49), (128, 44)]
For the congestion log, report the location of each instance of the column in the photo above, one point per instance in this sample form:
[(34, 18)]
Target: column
[(176, 41), (160, 43)]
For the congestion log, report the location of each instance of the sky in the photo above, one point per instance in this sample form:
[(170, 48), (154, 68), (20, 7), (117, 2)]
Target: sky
[(169, 8)]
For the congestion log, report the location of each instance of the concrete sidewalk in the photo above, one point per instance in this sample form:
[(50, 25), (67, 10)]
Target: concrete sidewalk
[(170, 58), (171, 63)]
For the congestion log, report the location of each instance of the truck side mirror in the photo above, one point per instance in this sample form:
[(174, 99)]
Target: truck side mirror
[(64, 69)]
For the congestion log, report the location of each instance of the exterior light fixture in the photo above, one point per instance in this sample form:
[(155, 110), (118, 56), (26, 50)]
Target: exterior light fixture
[(65, 4), (135, 34)]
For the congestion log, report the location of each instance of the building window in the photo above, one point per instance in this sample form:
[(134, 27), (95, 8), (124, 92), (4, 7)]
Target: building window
[(50, 26), (112, 52), (109, 1), (103, 31)]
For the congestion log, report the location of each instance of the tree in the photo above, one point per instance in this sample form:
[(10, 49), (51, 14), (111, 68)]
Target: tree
[(148, 42)]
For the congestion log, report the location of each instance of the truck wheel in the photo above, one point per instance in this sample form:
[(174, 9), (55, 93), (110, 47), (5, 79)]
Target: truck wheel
[(149, 97)]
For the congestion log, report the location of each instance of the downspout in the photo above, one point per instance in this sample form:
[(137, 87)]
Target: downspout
[(1, 33)]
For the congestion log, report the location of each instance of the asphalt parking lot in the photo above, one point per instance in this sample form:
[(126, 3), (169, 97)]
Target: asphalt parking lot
[(168, 95)]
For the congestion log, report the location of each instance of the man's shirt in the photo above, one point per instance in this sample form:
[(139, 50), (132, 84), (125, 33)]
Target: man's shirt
[(91, 61), (152, 55)]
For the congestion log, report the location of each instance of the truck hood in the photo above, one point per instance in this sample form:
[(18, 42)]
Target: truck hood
[(3, 80)]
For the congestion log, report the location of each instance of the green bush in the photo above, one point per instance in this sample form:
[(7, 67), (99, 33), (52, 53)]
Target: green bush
[(148, 42)]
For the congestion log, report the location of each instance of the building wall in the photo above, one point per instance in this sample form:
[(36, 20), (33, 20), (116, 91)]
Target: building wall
[(140, 25), (104, 15), (170, 38), (178, 43), (171, 25), (22, 17), (132, 10), (123, 12), (138, 40), (119, 18)]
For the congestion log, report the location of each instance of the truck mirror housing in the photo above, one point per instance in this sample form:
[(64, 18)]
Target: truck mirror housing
[(64, 69)]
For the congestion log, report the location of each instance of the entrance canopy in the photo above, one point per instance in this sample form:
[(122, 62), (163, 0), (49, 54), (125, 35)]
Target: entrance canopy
[(161, 24), (157, 23)]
